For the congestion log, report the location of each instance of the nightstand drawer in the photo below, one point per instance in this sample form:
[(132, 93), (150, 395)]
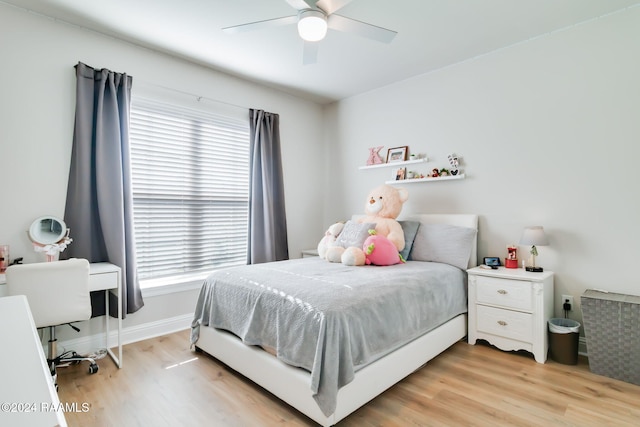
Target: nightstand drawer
[(505, 323), (507, 293)]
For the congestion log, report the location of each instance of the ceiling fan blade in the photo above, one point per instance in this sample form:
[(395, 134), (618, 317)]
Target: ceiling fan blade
[(310, 53), (348, 25), (302, 4), (269, 23), (330, 6)]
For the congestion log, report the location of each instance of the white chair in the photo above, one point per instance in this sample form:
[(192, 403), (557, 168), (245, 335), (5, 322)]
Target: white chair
[(58, 294)]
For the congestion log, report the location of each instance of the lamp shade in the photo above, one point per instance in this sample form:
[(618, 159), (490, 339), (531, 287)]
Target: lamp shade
[(534, 236), (312, 25)]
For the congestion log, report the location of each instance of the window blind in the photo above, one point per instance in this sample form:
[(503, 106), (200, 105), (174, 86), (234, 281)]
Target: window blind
[(190, 172)]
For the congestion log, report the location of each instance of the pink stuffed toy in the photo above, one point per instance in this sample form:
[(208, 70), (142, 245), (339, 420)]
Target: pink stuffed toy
[(379, 250)]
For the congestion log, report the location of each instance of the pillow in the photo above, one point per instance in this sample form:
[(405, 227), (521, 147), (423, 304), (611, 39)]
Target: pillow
[(354, 234), (449, 244), (410, 229)]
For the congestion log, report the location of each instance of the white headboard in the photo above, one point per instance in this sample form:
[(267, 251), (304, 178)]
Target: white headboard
[(461, 220)]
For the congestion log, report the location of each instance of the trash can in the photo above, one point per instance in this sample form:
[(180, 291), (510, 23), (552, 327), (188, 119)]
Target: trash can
[(563, 340)]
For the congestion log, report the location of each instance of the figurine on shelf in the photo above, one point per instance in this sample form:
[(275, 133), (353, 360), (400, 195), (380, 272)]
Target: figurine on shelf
[(435, 173), (444, 172), (374, 156), (453, 161)]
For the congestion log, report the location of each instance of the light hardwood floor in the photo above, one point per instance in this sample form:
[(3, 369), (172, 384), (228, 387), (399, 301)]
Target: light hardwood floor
[(164, 383)]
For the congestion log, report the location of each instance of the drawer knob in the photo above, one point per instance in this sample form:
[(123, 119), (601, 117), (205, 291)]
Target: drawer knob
[(502, 292), (502, 323)]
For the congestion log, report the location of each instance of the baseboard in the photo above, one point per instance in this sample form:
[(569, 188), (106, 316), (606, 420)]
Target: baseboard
[(145, 331), (582, 346), (131, 334)]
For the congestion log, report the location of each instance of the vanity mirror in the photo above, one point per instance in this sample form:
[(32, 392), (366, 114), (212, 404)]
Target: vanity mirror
[(47, 230), (49, 235)]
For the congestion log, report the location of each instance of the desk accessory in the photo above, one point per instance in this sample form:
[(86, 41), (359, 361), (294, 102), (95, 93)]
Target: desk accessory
[(49, 235), (4, 257)]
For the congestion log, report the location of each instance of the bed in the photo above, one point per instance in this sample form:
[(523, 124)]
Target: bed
[(327, 338)]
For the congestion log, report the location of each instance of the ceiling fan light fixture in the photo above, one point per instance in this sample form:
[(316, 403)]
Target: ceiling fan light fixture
[(312, 25)]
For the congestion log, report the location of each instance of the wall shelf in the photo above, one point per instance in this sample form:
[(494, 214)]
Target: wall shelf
[(395, 164), (411, 180), (416, 180)]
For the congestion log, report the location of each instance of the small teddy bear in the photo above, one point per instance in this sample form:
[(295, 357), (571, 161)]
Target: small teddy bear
[(329, 239)]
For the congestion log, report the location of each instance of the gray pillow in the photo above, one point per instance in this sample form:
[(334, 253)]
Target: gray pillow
[(449, 244), (410, 229), (354, 234)]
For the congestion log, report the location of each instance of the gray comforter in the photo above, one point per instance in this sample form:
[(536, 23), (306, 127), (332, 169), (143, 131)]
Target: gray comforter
[(330, 319)]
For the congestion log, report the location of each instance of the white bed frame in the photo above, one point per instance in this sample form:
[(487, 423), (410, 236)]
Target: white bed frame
[(292, 385)]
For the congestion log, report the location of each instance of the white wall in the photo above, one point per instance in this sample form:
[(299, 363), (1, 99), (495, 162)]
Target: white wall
[(37, 103), (548, 135), (547, 131)]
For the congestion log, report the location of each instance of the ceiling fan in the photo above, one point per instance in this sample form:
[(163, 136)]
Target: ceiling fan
[(314, 18)]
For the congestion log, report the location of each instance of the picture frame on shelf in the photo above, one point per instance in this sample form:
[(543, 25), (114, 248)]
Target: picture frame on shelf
[(397, 154), (399, 174)]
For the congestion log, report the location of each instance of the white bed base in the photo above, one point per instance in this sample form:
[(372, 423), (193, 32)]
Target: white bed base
[(292, 385)]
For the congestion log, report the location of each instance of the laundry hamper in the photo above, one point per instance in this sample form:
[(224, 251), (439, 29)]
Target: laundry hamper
[(612, 329)]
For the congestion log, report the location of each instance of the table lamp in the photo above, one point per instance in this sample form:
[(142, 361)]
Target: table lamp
[(534, 236)]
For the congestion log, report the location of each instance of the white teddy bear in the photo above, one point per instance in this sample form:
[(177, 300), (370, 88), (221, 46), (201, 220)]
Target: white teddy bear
[(329, 239)]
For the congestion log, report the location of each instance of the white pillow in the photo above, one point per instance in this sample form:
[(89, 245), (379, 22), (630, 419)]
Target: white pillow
[(449, 244)]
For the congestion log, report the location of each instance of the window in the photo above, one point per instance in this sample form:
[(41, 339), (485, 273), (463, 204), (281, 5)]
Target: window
[(190, 172)]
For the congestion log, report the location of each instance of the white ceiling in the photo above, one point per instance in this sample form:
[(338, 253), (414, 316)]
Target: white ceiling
[(431, 34)]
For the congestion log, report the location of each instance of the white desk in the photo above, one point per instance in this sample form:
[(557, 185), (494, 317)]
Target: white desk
[(28, 395), (103, 276)]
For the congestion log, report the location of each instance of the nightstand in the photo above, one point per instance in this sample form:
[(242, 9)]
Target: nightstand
[(309, 253), (510, 308)]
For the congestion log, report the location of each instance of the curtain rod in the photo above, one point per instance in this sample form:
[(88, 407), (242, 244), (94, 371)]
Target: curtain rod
[(198, 98)]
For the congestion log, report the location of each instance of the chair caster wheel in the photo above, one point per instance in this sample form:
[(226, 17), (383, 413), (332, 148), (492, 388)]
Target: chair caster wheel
[(93, 368)]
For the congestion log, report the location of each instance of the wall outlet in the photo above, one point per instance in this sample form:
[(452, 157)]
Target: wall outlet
[(570, 298)]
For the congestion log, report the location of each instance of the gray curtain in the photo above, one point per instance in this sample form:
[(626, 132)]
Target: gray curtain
[(267, 219), (99, 208)]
